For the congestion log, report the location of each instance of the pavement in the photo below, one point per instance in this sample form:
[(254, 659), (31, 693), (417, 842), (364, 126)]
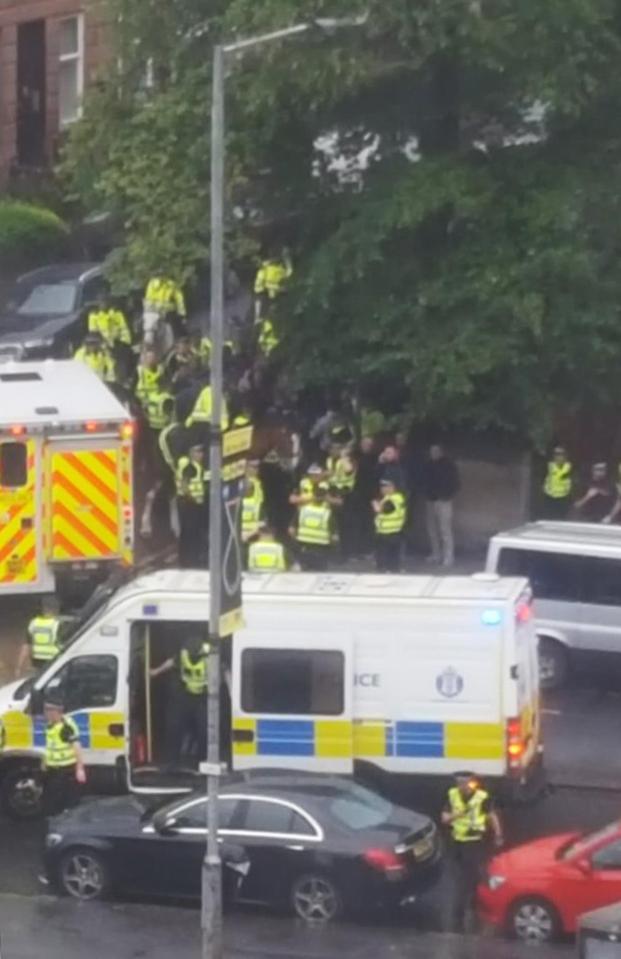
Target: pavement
[(72, 930)]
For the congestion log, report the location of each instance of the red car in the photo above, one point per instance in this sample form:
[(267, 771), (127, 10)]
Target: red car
[(538, 891)]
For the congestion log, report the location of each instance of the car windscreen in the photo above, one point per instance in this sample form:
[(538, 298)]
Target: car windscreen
[(360, 808), (585, 841), (43, 299)]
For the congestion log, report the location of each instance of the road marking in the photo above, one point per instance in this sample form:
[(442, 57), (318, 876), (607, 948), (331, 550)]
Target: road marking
[(552, 712)]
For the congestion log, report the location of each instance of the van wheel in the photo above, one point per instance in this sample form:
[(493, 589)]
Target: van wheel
[(21, 792), (553, 663)]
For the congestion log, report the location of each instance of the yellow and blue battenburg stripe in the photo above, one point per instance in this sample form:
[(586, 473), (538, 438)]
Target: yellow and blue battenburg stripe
[(27, 732), (365, 739)]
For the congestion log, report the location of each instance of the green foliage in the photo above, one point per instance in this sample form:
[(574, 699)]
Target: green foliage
[(29, 234), (472, 260)]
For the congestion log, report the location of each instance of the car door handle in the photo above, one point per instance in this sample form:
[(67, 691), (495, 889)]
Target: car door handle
[(117, 730), (296, 848)]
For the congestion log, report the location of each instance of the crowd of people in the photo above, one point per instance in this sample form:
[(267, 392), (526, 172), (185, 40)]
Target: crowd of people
[(327, 482)]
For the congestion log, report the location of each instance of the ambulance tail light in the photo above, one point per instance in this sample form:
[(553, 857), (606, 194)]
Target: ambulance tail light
[(127, 430), (17, 430), (91, 426), (515, 743), (524, 612)]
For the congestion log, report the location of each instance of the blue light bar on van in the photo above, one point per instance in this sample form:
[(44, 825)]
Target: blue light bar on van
[(150, 609), (491, 617)]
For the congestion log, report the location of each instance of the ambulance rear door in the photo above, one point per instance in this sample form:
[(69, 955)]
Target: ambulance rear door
[(85, 518), (22, 566)]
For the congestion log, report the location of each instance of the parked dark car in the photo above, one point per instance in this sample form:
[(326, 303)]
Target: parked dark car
[(317, 845), (47, 309)]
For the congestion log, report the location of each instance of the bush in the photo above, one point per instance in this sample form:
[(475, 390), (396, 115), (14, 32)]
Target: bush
[(29, 235)]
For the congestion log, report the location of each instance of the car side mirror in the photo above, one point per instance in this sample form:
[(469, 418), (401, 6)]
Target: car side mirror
[(164, 823), (584, 866)]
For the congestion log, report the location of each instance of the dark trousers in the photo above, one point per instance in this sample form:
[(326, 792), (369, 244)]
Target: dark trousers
[(388, 553), (313, 558), (61, 790), (468, 862), (186, 728), (556, 507), (192, 534), (347, 526)]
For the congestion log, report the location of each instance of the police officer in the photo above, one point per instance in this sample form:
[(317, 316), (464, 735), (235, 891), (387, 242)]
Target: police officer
[(271, 278), (63, 766), (186, 717), (93, 353), (266, 554), (43, 637), (341, 470), (390, 513), (557, 486), (165, 296), (190, 479), (314, 532), (149, 378), (201, 413), (473, 823)]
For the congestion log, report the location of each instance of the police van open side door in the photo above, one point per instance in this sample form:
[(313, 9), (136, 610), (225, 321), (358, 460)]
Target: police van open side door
[(292, 696)]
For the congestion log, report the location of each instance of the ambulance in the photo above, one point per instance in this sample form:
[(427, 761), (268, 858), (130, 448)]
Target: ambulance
[(66, 501), (353, 674)]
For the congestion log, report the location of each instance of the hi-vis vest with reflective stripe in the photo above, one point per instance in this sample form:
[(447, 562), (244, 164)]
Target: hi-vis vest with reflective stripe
[(192, 487), (314, 524), (251, 509), (471, 825), (163, 443), (148, 383), (157, 418), (165, 295), (99, 361), (194, 675), (112, 326), (202, 409), (57, 752), (271, 277), (387, 524), (43, 631), (558, 480), (266, 556), (342, 473)]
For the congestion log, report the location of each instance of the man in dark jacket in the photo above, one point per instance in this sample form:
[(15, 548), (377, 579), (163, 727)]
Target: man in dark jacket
[(440, 487)]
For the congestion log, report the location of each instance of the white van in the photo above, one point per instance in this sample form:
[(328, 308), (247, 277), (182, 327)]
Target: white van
[(335, 673), (575, 573)]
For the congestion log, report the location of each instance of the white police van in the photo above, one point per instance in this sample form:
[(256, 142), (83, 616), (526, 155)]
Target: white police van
[(337, 673)]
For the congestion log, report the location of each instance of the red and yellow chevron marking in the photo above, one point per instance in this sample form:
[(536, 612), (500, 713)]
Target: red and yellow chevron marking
[(84, 504), (18, 537), (127, 501)]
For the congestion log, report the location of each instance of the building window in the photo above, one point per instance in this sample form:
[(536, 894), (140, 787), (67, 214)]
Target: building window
[(70, 68)]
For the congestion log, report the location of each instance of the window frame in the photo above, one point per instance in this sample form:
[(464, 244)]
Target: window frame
[(317, 835), (67, 666), (245, 677), (24, 445), (77, 57)]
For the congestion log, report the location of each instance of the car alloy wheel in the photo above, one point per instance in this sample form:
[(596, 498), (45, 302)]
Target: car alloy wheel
[(534, 921), (315, 898), (83, 875)]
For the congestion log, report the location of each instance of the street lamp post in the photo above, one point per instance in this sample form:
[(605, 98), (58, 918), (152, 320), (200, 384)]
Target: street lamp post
[(211, 915)]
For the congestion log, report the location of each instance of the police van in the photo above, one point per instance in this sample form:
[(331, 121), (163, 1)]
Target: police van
[(350, 674), (66, 500)]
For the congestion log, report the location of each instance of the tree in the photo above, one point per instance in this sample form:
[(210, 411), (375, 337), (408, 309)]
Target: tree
[(447, 180)]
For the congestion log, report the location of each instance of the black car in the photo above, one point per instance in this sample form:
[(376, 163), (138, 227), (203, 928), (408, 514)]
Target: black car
[(317, 845), (47, 309)]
